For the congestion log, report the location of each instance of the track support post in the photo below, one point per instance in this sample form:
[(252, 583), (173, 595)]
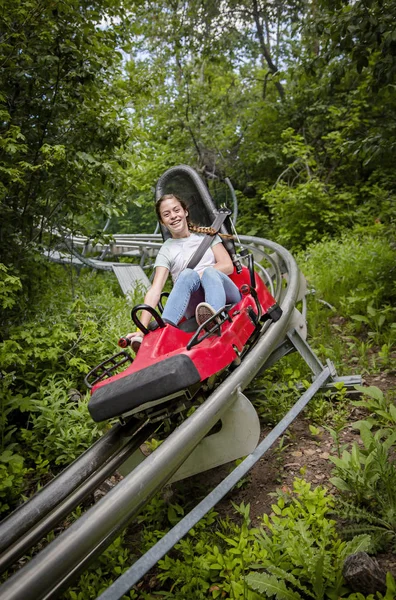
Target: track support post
[(238, 437), (305, 350)]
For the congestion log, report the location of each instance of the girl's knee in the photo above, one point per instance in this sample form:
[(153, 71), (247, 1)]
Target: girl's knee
[(210, 273), (187, 275), (187, 280)]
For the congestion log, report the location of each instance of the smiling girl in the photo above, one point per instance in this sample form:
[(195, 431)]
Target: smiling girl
[(203, 290)]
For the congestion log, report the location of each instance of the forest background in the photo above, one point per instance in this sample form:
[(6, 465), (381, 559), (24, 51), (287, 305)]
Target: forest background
[(293, 101)]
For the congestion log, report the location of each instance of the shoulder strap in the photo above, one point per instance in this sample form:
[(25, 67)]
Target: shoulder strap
[(207, 240)]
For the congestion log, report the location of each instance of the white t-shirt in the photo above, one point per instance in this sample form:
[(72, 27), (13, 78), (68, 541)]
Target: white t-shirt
[(175, 254)]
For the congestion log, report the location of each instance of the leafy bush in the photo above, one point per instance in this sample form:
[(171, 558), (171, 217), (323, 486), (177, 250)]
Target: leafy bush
[(307, 212), (356, 274), (212, 563), (381, 407), (102, 573), (59, 429), (297, 550), (353, 271), (45, 355), (366, 476), (12, 472), (304, 551), (9, 286), (367, 473)]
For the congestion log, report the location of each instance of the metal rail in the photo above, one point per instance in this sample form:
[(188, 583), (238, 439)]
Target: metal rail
[(28, 514), (53, 568), (47, 511), (126, 581)]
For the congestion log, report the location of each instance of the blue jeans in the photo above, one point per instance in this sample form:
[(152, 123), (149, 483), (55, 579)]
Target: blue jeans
[(190, 289)]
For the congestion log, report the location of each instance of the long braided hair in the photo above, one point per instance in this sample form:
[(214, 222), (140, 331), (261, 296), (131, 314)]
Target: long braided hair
[(191, 226)]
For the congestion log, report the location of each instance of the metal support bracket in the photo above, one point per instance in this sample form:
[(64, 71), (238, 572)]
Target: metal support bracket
[(238, 437), (294, 341), (305, 350)]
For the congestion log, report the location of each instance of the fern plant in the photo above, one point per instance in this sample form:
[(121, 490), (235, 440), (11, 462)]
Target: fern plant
[(296, 554), (367, 476), (360, 520), (305, 552), (273, 587)]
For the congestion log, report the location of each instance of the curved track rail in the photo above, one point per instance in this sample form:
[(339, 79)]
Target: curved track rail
[(53, 569)]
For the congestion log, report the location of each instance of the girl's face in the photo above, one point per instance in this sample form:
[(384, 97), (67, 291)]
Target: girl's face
[(174, 217)]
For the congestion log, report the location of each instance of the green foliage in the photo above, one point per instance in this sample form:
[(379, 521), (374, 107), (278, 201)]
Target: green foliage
[(356, 274), (274, 587), (358, 520), (298, 547), (304, 208), (59, 430), (306, 213), (353, 271), (305, 553), (12, 474), (367, 472), (66, 332), (381, 407), (366, 476), (9, 287), (213, 562), (102, 573), (63, 123), (278, 390), (43, 358)]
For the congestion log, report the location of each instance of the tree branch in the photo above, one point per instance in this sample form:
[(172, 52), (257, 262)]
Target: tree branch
[(264, 50)]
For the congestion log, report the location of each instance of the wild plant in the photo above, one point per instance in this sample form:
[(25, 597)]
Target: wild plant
[(296, 554), (358, 520), (381, 408), (102, 573), (42, 356), (366, 478), (359, 472), (362, 261), (305, 554), (12, 463), (212, 563), (58, 429), (278, 389), (330, 407)]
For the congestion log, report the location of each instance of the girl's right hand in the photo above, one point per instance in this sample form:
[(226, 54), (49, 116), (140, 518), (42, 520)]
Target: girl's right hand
[(131, 339)]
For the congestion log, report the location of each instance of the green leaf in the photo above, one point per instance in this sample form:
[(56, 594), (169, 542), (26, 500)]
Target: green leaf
[(270, 585), (371, 391), (340, 484), (392, 410), (360, 318), (390, 587), (360, 543)]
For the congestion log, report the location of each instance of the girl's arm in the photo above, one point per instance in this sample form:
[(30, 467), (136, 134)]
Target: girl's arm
[(223, 259), (152, 296), (154, 293)]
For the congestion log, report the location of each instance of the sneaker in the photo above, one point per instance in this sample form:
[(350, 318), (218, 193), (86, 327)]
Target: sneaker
[(136, 343), (203, 312)]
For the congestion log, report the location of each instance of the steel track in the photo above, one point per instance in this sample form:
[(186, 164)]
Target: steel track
[(54, 568)]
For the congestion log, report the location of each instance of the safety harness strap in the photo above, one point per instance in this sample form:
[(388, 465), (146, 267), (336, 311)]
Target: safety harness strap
[(206, 242)]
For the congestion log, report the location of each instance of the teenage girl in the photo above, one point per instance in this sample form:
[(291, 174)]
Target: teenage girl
[(204, 289)]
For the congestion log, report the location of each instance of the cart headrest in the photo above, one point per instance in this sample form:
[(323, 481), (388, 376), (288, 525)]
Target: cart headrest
[(184, 182)]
